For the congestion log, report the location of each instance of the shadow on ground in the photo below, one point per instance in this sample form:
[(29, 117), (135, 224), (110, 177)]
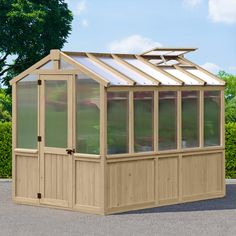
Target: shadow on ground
[(226, 203)]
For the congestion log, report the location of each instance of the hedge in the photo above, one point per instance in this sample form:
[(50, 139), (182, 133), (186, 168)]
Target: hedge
[(5, 150), (230, 150)]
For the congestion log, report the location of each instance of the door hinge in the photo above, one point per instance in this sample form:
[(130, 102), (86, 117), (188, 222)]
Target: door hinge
[(39, 195), (39, 138), (39, 81)]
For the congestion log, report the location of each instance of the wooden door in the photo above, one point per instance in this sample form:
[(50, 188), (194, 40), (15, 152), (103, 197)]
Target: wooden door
[(56, 145)]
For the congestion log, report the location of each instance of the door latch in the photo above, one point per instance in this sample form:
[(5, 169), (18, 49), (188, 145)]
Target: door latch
[(70, 151)]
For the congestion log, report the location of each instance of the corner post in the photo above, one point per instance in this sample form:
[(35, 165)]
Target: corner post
[(103, 148)]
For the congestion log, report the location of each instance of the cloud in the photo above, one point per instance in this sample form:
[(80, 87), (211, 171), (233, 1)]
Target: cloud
[(191, 3), (222, 11), (80, 8), (132, 44), (213, 68), (84, 23)]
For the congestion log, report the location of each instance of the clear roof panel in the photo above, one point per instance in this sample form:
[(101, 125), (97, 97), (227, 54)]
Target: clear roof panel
[(98, 69), (181, 76), (152, 72), (139, 79), (205, 77)]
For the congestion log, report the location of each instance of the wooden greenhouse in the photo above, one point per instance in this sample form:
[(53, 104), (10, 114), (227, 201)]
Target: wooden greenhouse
[(104, 133)]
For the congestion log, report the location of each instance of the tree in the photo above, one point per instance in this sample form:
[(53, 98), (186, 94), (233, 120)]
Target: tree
[(230, 88), (29, 30), (230, 96), (5, 106)]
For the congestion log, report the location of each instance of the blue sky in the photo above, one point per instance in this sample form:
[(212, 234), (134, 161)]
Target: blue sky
[(133, 26)]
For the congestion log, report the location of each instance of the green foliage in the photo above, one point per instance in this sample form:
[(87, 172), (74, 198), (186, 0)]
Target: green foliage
[(5, 150), (29, 30), (230, 96), (5, 106), (230, 88), (230, 150)]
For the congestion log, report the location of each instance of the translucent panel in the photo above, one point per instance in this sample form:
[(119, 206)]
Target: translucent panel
[(126, 71), (212, 121), (157, 52), (190, 119), (152, 72), (47, 66), (56, 114), (143, 121), (65, 65), (117, 122), (167, 120), (103, 72), (87, 115), (169, 52), (208, 79), (27, 112), (169, 63), (180, 75)]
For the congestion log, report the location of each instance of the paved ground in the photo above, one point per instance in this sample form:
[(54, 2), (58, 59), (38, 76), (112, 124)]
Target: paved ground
[(212, 217)]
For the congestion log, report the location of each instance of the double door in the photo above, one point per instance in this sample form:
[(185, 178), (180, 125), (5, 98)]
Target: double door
[(56, 146)]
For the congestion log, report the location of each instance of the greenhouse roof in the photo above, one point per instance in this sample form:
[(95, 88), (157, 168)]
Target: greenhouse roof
[(156, 67)]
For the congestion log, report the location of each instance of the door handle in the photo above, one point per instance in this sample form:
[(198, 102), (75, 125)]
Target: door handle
[(70, 151)]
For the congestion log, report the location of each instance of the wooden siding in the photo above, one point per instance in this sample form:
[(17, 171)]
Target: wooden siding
[(87, 183), (168, 176), (202, 174), (130, 183), (56, 176), (27, 176)]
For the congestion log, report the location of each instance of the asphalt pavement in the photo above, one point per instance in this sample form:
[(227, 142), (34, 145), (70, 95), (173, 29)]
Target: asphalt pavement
[(210, 217)]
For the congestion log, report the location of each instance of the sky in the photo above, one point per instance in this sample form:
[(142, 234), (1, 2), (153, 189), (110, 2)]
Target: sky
[(134, 26)]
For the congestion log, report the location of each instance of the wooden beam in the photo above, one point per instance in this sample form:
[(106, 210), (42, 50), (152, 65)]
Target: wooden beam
[(55, 54), (138, 71), (111, 69), (30, 69), (180, 82)]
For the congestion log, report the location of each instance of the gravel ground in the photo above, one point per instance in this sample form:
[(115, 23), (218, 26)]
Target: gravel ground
[(211, 217)]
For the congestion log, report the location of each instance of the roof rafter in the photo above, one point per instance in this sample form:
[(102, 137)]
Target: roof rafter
[(31, 69)]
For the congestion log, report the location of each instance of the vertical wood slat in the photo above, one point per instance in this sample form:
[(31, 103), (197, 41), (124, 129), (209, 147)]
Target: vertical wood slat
[(42, 167), (222, 135), (155, 120), (179, 121), (103, 149), (14, 130), (131, 121), (201, 119), (74, 134), (71, 101)]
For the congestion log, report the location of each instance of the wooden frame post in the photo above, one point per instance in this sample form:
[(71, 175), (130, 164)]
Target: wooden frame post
[(103, 148)]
